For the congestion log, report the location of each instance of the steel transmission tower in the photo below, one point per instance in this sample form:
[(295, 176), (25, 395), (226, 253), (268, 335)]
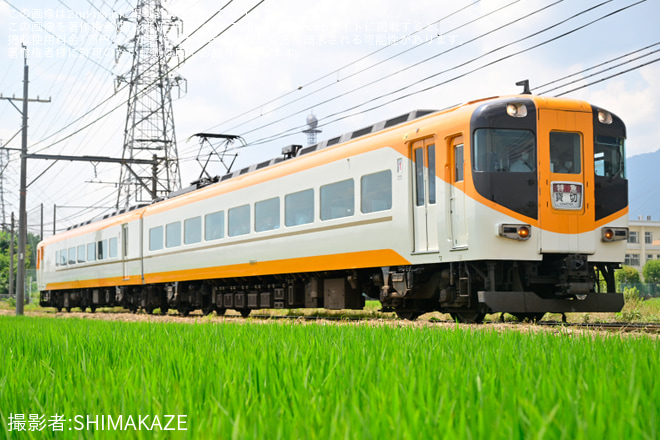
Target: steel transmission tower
[(149, 129)]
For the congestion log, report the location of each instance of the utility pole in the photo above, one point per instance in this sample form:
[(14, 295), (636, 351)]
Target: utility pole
[(3, 165), (22, 215), (11, 259)]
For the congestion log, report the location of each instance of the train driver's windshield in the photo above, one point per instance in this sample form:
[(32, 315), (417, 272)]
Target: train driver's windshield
[(504, 150), (609, 157)]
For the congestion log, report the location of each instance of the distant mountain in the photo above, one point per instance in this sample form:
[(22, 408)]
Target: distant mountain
[(644, 185)]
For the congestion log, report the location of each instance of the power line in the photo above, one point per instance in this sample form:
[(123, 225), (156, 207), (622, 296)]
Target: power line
[(336, 71), (57, 37), (600, 71), (426, 89), (335, 97), (609, 77), (142, 91)]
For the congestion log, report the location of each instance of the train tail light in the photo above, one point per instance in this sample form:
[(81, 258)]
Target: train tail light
[(608, 234), (515, 232)]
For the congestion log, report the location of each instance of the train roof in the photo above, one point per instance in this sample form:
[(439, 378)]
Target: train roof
[(374, 128)]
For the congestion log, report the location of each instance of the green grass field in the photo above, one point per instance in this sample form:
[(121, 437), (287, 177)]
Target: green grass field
[(307, 381)]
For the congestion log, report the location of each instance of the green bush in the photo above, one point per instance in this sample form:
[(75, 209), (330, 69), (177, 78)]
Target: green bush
[(631, 295), (626, 275)]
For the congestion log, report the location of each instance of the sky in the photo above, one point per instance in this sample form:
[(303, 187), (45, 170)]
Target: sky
[(350, 63)]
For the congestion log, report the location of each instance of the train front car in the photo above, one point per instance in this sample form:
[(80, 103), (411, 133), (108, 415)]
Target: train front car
[(549, 175), (535, 213)]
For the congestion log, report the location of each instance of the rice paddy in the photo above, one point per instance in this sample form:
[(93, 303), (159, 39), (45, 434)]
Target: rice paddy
[(288, 380)]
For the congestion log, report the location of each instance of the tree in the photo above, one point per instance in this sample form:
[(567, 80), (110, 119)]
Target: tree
[(5, 247), (651, 272), (627, 275)]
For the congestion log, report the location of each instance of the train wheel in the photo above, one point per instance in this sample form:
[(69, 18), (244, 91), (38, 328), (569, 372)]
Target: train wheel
[(220, 311), (149, 310), (468, 317), (68, 309), (408, 315), (207, 310), (531, 317), (245, 312), (59, 309), (164, 310), (183, 311), (92, 309), (82, 309)]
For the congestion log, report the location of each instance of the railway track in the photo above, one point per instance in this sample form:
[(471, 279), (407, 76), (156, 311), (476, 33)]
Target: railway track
[(627, 327), (613, 327), (642, 327)]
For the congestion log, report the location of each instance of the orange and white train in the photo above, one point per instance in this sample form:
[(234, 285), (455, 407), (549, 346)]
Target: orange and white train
[(511, 204)]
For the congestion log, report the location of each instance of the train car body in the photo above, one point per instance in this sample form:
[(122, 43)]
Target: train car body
[(510, 204)]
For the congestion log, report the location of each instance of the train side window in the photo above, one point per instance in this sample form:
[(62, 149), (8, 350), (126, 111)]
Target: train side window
[(299, 208), (267, 215), (376, 192), (214, 226), (156, 238), (102, 250), (57, 258), (338, 200), (112, 247), (565, 152), (63, 257), (91, 251), (192, 230), (419, 175), (431, 162), (459, 162), (81, 254), (173, 235), (72, 255), (238, 220)]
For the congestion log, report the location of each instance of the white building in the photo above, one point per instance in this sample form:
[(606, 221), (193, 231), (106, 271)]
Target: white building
[(643, 242)]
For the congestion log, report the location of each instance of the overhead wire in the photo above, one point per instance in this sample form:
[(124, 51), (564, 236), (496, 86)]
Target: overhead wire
[(143, 90), (346, 66), (169, 71), (360, 87), (57, 37), (597, 65), (608, 77), (79, 95), (426, 89)]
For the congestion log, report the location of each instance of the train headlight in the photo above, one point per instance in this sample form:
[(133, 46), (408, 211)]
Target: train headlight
[(516, 109), (515, 232), (604, 117), (608, 234)]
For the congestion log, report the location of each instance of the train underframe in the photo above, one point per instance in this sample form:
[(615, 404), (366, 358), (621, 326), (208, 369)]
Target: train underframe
[(467, 290)]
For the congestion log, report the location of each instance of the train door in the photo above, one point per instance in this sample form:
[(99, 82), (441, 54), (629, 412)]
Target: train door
[(124, 251), (457, 220), (425, 223), (566, 204)]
